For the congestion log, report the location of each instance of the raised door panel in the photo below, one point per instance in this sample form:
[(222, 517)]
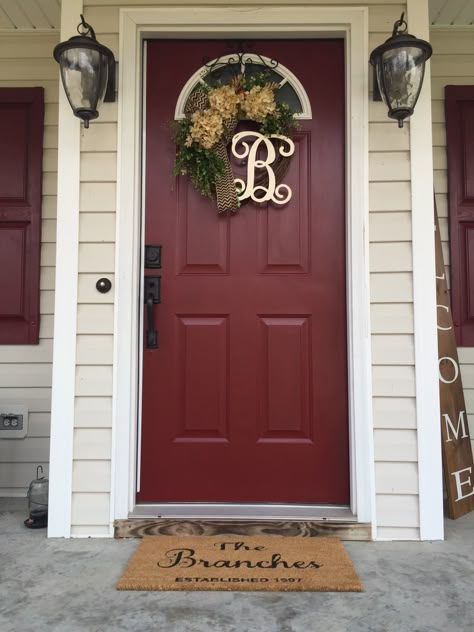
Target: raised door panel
[(202, 243), (283, 237), (14, 144), (467, 138), (203, 378), (285, 403), (12, 256)]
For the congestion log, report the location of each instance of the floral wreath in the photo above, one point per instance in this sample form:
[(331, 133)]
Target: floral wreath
[(211, 117)]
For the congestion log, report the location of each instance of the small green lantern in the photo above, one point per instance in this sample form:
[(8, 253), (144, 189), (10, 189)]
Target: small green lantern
[(38, 501)]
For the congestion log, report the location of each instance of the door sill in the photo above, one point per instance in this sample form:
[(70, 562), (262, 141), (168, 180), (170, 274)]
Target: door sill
[(243, 511), (243, 520)]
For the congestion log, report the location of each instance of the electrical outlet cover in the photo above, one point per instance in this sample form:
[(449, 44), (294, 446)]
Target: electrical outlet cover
[(13, 432)]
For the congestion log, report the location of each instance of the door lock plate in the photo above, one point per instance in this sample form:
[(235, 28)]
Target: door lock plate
[(153, 288), (152, 256)]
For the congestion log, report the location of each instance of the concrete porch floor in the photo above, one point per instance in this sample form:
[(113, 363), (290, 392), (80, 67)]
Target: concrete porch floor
[(68, 586)]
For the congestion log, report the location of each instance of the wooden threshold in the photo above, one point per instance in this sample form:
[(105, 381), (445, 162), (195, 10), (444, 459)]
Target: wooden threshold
[(138, 527)]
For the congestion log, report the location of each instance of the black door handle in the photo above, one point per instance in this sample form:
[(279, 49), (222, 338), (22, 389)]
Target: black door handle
[(151, 333), (152, 296)]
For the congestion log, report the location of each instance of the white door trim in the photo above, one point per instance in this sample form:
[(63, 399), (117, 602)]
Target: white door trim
[(282, 21)]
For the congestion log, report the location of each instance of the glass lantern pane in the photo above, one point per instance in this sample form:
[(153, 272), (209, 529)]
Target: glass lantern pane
[(84, 73), (222, 75), (38, 494), (287, 94), (252, 69), (401, 73)]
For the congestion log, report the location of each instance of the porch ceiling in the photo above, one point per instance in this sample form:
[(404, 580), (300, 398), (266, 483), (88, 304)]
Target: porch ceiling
[(452, 12), (20, 15)]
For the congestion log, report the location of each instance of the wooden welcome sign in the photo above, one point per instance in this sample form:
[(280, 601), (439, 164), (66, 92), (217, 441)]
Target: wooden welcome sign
[(457, 451)]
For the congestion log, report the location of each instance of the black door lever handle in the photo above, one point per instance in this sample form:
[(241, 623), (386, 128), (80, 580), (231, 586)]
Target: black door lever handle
[(151, 334), (152, 296)]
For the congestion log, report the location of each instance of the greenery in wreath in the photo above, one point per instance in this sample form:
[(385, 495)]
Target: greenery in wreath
[(201, 131)]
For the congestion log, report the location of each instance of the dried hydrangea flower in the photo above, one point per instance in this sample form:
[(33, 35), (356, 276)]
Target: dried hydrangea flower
[(259, 102), (207, 128), (225, 101)]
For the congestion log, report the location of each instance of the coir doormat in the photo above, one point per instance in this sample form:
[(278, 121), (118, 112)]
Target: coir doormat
[(233, 563)]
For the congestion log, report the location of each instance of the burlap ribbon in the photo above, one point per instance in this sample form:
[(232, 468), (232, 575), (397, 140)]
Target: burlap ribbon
[(226, 194)]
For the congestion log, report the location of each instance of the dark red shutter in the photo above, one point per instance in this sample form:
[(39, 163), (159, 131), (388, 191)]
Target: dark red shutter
[(21, 144)]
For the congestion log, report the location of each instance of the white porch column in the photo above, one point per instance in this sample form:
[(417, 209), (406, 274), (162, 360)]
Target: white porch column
[(65, 305), (424, 298)]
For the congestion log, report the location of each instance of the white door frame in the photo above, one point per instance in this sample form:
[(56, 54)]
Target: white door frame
[(351, 23)]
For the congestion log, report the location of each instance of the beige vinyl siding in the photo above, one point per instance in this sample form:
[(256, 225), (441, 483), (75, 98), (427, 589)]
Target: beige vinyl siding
[(452, 64), (391, 290), (25, 370)]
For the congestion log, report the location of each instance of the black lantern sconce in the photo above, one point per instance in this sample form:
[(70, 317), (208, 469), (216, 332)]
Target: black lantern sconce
[(87, 72), (399, 69)]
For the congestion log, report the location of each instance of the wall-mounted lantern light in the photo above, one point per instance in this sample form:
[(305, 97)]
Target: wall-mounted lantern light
[(87, 72), (399, 66)]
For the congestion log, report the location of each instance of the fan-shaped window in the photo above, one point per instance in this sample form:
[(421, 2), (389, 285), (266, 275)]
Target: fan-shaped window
[(221, 70)]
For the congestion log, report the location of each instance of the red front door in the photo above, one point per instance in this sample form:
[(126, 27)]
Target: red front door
[(245, 400)]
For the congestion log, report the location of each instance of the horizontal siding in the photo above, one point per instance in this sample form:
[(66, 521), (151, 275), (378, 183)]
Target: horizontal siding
[(25, 370), (381, 162), (41, 353), (98, 258), (398, 533), (15, 476), (94, 349), (99, 167), (452, 64), (391, 289), (90, 509), (92, 444), (93, 412), (396, 478), (91, 531), (16, 473), (87, 291), (384, 227), (94, 352), (88, 228), (393, 350), (393, 381), (398, 445), (106, 18), (31, 374), (216, 3), (36, 399), (91, 476), (93, 380), (32, 451), (391, 412), (397, 510), (95, 319), (388, 196), (98, 196)]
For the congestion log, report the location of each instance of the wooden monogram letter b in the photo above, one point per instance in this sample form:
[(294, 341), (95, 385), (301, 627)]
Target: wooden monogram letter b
[(279, 194)]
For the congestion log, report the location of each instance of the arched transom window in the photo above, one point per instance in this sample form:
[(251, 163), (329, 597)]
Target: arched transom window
[(222, 69)]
